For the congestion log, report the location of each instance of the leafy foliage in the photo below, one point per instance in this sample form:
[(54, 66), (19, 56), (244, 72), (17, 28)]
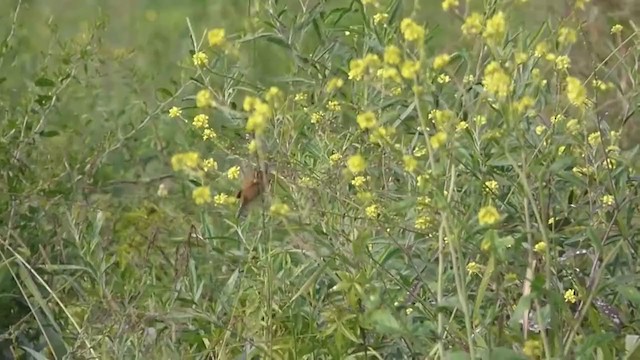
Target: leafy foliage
[(456, 187)]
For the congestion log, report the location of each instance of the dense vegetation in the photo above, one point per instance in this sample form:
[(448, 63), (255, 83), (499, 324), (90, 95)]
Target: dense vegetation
[(446, 180)]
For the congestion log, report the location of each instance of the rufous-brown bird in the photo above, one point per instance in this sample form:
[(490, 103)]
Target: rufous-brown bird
[(252, 187)]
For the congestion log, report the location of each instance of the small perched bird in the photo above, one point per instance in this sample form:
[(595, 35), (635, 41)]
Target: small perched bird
[(252, 187)]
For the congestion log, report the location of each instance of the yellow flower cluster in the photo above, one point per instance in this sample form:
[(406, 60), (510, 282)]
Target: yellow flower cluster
[(411, 31), (185, 161), (260, 113), (496, 80), (495, 29)]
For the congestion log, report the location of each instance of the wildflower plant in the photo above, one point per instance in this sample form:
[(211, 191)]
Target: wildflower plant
[(422, 193), (388, 110)]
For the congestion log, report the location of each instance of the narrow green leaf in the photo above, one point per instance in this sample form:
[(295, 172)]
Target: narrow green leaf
[(482, 289), (44, 82), (310, 282)]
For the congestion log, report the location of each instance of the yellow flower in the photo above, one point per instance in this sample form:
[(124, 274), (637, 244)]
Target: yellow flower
[(423, 202), (359, 181), (392, 55), (201, 195), (409, 69), (209, 164), (524, 104), (380, 17), (208, 134), (382, 134), (204, 98), (252, 146), (442, 117), (411, 31), (443, 78), (563, 62), (599, 84), (576, 92), (422, 222), (216, 37), (372, 211), (185, 161), (480, 120), (491, 186), (441, 61), (495, 28), (488, 215), (233, 172), (461, 126), (390, 73), (540, 247), (594, 138), (541, 49), (540, 129), (473, 268), (496, 81), (249, 103), (334, 84), (573, 126), (472, 24), (256, 123), (448, 4), (616, 29), (200, 59), (570, 296), (334, 105), (280, 209), (174, 112), (274, 95), (366, 120), (532, 349), (316, 117), (221, 199), (410, 163), (521, 57), (567, 36), (438, 139), (607, 200), (357, 69), (201, 121), (334, 158), (356, 164)]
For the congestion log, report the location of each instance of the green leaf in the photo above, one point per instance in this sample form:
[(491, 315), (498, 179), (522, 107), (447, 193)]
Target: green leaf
[(632, 347), (163, 94), (43, 100), (310, 282), (44, 82), (49, 133), (518, 313), (483, 286), (630, 293), (384, 322), (36, 355)]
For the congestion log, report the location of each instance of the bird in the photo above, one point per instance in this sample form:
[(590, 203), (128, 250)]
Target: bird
[(252, 187)]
